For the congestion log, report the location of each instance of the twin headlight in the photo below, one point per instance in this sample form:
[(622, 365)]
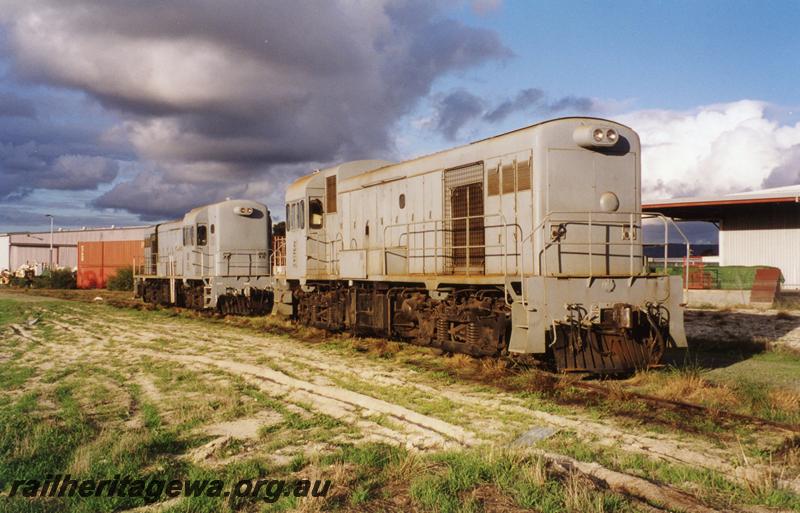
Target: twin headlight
[(595, 136), (243, 211)]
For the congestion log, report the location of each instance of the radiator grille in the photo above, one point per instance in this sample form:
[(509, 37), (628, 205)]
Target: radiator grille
[(493, 181), (523, 175), (508, 178)]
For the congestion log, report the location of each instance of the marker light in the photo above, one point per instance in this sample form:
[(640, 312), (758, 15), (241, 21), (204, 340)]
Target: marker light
[(595, 136)]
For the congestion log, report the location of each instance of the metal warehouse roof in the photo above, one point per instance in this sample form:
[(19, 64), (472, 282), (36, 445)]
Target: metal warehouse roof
[(84, 229), (708, 207)]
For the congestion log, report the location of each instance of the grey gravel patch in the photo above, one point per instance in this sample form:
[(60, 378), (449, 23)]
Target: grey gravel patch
[(536, 434)]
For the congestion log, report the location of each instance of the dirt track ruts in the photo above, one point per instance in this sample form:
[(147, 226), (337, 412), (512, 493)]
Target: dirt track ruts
[(198, 344)]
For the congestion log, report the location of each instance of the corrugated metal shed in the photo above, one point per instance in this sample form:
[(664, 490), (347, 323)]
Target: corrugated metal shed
[(756, 227), (34, 247), (764, 236), (5, 251), (699, 205)]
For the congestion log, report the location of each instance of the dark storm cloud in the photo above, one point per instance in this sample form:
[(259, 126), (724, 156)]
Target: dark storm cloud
[(231, 90), (535, 100), (456, 109), (34, 219), (79, 172), (523, 100), (35, 165), (62, 150), (571, 103), (149, 195), (698, 232), (13, 106)]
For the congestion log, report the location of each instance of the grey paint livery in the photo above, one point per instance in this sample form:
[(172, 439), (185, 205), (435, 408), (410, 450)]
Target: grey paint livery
[(224, 245), (573, 237)]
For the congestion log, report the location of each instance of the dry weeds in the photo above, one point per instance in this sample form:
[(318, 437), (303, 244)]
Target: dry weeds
[(765, 475), (408, 468), (536, 470), (342, 477), (492, 369), (785, 400), (578, 497), (691, 386), (462, 361), (491, 499)]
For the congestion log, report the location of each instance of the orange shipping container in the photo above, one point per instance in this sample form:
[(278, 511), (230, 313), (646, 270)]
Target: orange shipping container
[(90, 254), (91, 278), (121, 253), (99, 261)]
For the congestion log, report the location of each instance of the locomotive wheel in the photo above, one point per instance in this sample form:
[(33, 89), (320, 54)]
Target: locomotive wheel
[(322, 308), (467, 328), (232, 305), (193, 297)]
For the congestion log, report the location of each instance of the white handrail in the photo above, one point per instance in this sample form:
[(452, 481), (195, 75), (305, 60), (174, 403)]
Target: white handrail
[(439, 225), (589, 243)]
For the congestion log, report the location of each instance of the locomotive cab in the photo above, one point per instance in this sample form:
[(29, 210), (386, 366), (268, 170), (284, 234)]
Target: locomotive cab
[(314, 230)]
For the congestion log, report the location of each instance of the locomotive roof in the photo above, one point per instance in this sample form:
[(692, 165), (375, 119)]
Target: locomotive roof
[(226, 202), (296, 189), (193, 212), (304, 179)]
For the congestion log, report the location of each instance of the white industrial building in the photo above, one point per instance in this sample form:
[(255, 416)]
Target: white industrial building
[(30, 248), (755, 228)]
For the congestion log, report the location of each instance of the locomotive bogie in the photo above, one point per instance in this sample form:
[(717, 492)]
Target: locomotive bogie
[(470, 320)]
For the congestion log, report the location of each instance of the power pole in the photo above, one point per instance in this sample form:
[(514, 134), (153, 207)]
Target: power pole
[(51, 241)]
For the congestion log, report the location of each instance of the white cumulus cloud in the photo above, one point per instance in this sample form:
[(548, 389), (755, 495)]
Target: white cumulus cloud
[(714, 149)]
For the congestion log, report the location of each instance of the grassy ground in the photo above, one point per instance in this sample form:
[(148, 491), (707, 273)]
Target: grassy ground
[(768, 369), (94, 391)]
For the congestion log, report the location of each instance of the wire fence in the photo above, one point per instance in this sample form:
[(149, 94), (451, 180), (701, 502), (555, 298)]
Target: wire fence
[(708, 275)]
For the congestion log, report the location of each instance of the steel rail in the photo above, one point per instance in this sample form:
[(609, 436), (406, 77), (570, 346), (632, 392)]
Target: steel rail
[(606, 391)]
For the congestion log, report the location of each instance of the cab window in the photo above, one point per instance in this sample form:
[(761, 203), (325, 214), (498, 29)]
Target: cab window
[(315, 214), (202, 235), (288, 218), (301, 214)]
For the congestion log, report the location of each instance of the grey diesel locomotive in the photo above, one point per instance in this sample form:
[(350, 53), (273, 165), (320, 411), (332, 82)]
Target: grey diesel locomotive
[(526, 243), (217, 256), (529, 242)]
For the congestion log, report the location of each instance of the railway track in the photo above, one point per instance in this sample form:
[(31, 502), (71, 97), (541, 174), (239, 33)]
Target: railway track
[(684, 406), (598, 388)]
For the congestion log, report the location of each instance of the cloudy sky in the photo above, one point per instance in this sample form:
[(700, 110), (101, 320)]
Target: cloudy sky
[(121, 112)]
